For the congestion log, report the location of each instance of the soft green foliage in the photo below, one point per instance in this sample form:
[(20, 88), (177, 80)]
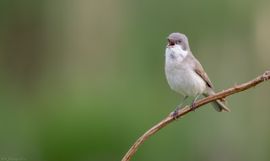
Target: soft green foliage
[(82, 80)]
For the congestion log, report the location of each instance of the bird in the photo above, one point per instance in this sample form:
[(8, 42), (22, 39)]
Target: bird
[(185, 74)]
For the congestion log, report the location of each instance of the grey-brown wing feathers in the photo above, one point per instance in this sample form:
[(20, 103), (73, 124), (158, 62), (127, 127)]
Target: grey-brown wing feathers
[(200, 71), (219, 105)]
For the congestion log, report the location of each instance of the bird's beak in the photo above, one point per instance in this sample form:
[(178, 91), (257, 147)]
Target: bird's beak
[(170, 44)]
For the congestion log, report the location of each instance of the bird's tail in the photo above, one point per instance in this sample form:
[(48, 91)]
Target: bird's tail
[(219, 105)]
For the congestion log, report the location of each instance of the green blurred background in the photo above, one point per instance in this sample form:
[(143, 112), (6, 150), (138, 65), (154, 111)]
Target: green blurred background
[(82, 80)]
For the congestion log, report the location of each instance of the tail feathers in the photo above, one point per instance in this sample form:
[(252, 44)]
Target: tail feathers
[(219, 105)]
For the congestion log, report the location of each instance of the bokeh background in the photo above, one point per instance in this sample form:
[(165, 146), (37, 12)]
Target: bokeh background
[(82, 80)]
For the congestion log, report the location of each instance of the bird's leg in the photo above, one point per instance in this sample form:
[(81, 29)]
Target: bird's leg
[(174, 113), (193, 102)]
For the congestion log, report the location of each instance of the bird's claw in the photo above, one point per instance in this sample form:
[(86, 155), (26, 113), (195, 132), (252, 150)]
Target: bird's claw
[(174, 113), (193, 106)]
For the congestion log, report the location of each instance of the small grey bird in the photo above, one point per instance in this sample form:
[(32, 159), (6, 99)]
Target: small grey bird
[(185, 74)]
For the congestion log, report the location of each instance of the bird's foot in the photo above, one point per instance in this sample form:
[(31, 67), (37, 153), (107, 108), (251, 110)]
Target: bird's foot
[(192, 107), (175, 112)]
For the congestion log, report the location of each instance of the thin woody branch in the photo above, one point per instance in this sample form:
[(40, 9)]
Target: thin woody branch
[(187, 109)]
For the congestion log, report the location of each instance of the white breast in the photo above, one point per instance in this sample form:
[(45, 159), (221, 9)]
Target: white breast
[(180, 76), (176, 52)]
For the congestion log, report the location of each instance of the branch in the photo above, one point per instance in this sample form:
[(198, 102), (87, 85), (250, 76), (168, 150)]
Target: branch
[(187, 109)]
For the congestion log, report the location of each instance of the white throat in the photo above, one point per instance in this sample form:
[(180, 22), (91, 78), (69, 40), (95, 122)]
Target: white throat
[(176, 52)]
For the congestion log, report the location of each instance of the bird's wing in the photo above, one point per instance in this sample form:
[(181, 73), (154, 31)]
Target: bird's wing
[(200, 71)]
